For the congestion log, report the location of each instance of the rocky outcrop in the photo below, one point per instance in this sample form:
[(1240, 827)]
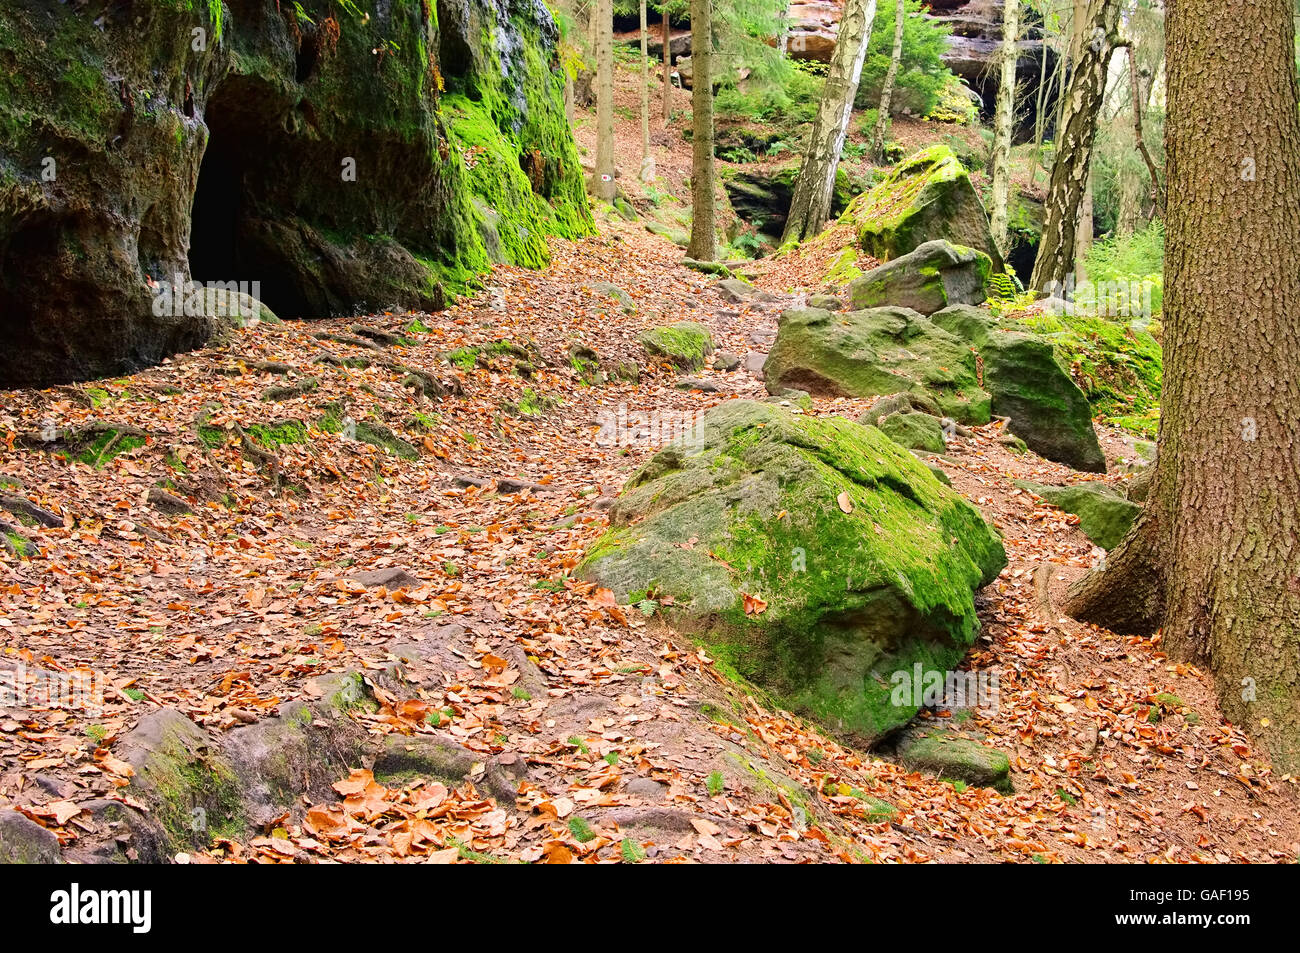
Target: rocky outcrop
[(927, 196), (323, 158), (875, 351), (958, 363), (932, 277), (814, 556), (973, 44)]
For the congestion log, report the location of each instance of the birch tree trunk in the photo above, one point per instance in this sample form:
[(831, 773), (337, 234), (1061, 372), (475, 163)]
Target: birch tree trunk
[(604, 179), (1074, 142), (811, 206), (887, 91), (1003, 121)]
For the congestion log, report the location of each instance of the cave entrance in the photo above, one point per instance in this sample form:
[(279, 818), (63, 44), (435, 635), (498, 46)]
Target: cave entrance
[(214, 221), (229, 242)]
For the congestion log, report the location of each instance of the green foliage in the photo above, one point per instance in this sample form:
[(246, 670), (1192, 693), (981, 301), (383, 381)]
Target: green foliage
[(1124, 257), (921, 77)]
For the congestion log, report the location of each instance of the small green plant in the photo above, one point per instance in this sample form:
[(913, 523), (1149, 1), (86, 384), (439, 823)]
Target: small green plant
[(522, 694), (578, 743), (715, 783), (581, 830), (631, 851)]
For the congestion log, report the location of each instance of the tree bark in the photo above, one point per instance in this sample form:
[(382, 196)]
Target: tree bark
[(668, 70), (1223, 515), (1003, 120), (810, 208), (1074, 142), (647, 161), (887, 91), (704, 238), (605, 186)]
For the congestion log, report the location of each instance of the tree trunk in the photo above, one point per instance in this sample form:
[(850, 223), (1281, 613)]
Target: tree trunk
[(668, 70), (604, 178), (1074, 142), (887, 91), (704, 238), (1003, 120), (810, 208), (647, 160), (1139, 101), (1221, 528)]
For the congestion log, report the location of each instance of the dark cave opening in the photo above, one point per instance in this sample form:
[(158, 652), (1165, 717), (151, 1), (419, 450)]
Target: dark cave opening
[(226, 244)]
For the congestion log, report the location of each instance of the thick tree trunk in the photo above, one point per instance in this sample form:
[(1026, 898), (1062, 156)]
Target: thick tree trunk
[(1003, 120), (1223, 515), (604, 185), (704, 238), (887, 91), (810, 208), (1074, 142)]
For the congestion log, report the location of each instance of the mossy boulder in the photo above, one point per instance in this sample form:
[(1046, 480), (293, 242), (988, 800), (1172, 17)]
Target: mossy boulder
[(951, 758), (875, 351), (193, 792), (934, 276), (914, 431), (685, 344), (927, 196), (1045, 407), (1116, 362), (814, 556), (1104, 515)]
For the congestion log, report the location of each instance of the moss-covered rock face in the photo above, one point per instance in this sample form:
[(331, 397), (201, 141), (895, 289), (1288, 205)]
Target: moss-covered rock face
[(347, 157), (1104, 515), (927, 196), (951, 758), (934, 276), (685, 344), (1117, 363), (1045, 407), (876, 351), (914, 431), (813, 555)]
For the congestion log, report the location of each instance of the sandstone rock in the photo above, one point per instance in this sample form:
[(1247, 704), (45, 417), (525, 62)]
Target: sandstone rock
[(862, 561)]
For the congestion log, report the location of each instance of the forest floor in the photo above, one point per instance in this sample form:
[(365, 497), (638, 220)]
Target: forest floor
[(447, 558), (620, 729)]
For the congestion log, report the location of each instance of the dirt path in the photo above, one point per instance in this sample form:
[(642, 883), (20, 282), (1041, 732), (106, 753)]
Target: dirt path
[(616, 730)]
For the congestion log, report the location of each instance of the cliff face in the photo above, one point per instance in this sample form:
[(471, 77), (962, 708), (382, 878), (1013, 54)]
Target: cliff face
[(330, 156)]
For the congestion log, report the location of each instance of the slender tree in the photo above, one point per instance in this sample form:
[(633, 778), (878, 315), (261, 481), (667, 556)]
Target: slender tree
[(647, 160), (704, 239), (810, 208), (668, 66), (1213, 557), (605, 187), (1003, 120), (1074, 142), (887, 90)]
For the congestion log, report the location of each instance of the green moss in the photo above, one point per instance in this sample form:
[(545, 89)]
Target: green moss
[(849, 540), (279, 434), (1116, 363), (685, 344), (106, 445)]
